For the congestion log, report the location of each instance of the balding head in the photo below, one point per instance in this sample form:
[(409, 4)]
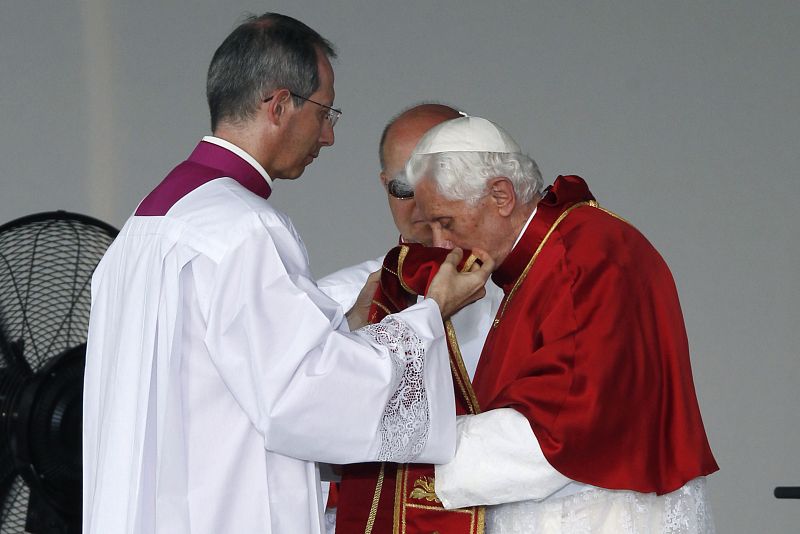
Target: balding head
[(398, 140), (412, 123)]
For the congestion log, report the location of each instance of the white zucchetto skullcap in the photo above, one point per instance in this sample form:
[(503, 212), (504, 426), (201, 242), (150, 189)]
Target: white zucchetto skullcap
[(466, 134)]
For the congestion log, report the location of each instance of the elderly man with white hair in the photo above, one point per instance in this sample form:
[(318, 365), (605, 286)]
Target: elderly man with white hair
[(589, 421), (356, 506)]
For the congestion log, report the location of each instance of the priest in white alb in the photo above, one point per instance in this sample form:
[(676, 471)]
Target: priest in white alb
[(217, 372)]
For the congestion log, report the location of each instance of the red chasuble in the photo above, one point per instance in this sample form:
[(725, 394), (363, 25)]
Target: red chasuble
[(383, 498), (589, 344)]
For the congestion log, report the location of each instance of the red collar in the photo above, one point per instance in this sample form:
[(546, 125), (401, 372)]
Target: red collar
[(565, 191)]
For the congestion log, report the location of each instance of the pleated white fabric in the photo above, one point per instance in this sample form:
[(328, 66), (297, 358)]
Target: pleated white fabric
[(217, 373)]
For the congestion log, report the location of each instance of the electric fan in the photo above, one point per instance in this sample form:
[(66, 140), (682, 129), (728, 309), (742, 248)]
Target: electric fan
[(46, 265)]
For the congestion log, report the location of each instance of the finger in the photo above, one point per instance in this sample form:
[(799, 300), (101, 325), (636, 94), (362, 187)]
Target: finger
[(454, 257), (478, 295), (486, 261)]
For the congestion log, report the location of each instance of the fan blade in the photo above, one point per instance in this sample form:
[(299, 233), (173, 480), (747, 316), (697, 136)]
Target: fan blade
[(15, 359), (4, 343), (12, 353)]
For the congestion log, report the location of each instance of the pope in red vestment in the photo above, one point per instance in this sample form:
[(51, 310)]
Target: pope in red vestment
[(588, 345)]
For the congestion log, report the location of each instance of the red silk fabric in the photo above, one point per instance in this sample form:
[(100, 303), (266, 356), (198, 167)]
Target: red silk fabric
[(591, 348), (407, 272), (406, 501)]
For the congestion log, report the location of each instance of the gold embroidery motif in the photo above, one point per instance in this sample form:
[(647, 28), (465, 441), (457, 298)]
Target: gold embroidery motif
[(424, 489), (402, 505)]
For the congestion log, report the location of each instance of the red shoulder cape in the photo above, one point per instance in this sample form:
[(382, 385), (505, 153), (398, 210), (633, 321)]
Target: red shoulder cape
[(590, 345)]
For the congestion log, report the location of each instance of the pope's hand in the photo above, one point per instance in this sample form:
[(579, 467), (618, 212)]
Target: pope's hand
[(453, 290)]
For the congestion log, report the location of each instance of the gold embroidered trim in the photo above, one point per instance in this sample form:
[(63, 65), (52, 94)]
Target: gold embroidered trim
[(381, 306), (399, 524), (424, 488), (469, 263), (439, 508), (373, 510), (477, 513), (401, 482), (400, 259), (457, 361), (519, 280), (460, 371), (613, 215)]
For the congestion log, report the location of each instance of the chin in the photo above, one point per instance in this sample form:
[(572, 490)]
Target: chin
[(293, 174)]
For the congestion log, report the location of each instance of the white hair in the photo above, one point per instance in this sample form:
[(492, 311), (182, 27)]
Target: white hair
[(464, 175)]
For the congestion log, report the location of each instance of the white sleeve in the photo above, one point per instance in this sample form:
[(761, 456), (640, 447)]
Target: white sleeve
[(344, 285), (313, 389), (498, 460)]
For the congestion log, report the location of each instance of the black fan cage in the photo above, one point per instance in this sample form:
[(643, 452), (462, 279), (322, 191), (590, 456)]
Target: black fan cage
[(46, 265)]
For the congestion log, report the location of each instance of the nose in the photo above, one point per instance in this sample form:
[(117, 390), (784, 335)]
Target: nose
[(440, 238), (326, 135)]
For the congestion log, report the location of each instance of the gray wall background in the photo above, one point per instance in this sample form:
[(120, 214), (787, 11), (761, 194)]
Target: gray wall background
[(682, 115)]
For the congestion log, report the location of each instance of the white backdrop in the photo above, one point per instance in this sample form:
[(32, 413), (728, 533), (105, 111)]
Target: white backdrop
[(684, 117)]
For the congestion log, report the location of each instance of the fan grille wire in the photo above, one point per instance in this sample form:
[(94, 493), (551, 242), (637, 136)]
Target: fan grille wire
[(45, 284)]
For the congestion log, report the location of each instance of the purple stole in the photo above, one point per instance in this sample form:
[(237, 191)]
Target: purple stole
[(207, 162)]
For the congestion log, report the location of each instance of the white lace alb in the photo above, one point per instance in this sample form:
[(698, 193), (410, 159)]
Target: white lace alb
[(602, 511), (405, 421)]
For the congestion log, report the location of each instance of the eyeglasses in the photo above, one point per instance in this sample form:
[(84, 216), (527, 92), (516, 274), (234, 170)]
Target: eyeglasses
[(332, 114), (399, 189)]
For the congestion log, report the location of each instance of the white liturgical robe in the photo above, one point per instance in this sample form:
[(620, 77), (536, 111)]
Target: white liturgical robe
[(217, 372)]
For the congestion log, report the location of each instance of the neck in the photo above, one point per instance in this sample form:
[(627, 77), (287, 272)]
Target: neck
[(521, 216), (248, 138), (516, 223)]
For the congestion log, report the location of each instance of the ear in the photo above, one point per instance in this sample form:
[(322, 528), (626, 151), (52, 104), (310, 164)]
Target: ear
[(278, 107), (502, 195)]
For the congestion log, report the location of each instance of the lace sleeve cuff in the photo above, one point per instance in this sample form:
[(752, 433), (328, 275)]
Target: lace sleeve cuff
[(405, 422)]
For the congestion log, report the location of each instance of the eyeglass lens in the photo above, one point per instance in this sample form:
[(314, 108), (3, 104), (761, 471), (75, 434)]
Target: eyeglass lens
[(399, 189)]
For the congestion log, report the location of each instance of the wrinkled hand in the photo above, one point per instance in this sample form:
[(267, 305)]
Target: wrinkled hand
[(453, 290), (359, 313)]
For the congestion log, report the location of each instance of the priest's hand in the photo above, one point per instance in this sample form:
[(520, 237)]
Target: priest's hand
[(359, 313), (452, 290)]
